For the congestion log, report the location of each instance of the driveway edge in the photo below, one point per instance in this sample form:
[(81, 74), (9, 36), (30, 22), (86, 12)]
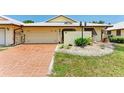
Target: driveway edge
[(52, 62)]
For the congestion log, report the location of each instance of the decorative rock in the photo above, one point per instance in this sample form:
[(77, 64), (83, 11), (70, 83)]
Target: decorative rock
[(94, 50)]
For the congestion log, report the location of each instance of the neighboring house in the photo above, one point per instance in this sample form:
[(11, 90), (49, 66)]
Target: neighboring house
[(50, 31), (116, 30)]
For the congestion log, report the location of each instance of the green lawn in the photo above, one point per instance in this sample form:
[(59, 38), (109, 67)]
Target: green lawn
[(70, 65)]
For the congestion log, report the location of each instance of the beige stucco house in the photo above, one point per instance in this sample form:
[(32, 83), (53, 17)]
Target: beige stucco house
[(117, 29), (50, 31)]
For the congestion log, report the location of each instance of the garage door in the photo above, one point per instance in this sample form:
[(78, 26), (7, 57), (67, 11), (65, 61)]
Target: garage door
[(41, 37), (2, 37)]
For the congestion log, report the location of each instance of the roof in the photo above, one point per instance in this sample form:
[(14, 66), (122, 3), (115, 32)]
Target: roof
[(13, 21), (10, 21), (96, 24), (65, 24), (119, 25)]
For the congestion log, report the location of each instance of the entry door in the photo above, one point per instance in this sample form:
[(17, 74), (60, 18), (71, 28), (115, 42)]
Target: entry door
[(2, 36)]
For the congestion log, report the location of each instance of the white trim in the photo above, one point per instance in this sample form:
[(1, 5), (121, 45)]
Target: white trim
[(11, 21)]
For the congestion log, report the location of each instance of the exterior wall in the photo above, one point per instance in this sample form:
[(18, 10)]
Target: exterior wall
[(113, 32), (99, 32), (69, 37), (59, 30), (61, 19), (122, 32), (9, 33), (51, 29), (9, 36)]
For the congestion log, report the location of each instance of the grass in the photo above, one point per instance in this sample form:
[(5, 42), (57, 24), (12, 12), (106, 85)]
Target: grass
[(67, 65)]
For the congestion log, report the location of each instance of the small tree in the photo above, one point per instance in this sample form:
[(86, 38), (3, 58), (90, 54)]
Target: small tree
[(28, 21), (98, 22), (101, 22)]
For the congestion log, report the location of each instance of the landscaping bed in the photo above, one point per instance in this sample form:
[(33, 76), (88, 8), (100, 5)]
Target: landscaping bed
[(96, 49)]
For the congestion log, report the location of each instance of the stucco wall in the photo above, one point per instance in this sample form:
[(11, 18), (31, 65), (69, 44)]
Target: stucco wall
[(59, 29), (51, 29), (9, 36), (122, 32), (113, 32), (98, 31), (69, 37), (9, 33)]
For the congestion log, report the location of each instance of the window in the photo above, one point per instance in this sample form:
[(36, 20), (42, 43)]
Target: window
[(118, 33), (109, 32)]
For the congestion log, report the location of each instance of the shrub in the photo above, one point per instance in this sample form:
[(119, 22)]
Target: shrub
[(70, 45), (83, 41), (62, 46), (116, 39)]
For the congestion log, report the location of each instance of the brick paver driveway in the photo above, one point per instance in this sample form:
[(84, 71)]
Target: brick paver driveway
[(26, 60)]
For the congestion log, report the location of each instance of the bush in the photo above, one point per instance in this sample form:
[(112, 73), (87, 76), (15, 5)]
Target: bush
[(83, 41), (62, 46), (116, 39)]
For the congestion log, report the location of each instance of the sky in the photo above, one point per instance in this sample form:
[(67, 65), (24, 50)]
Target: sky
[(85, 18)]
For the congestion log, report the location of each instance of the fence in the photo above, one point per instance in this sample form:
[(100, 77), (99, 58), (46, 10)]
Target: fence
[(70, 36)]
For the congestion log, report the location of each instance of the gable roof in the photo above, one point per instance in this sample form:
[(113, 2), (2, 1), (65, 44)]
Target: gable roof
[(54, 19), (116, 26), (7, 20)]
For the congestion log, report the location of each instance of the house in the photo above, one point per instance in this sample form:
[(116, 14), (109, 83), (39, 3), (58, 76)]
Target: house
[(116, 30), (50, 31)]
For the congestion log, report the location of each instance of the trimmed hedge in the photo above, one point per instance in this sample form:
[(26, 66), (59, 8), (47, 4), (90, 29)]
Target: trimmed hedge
[(83, 41), (116, 39)]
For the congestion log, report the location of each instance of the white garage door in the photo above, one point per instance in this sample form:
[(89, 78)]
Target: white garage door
[(2, 37), (41, 37)]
